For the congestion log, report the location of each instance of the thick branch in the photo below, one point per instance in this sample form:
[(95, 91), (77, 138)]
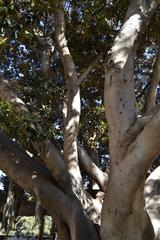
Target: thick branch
[(52, 158), (73, 115), (15, 150), (45, 148), (73, 103), (92, 170), (141, 153), (31, 178), (119, 83), (132, 133), (129, 163)]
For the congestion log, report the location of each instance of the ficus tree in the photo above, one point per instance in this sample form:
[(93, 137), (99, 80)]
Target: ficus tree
[(54, 142)]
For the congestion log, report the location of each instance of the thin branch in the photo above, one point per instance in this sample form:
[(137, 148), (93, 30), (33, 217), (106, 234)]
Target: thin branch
[(138, 97), (89, 68), (45, 52), (155, 78)]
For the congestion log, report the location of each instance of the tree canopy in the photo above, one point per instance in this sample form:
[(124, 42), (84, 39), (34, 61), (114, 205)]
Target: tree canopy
[(79, 108)]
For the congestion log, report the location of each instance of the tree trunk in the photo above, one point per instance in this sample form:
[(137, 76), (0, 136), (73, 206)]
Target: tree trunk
[(152, 196), (130, 223), (123, 215)]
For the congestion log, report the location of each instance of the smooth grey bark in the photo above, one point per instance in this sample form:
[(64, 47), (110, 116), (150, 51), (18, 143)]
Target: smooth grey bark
[(92, 170), (131, 155), (45, 148), (90, 205), (30, 175), (152, 199), (49, 153)]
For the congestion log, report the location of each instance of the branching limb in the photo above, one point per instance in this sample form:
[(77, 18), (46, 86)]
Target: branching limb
[(138, 126), (73, 114), (129, 163), (45, 148), (30, 177), (51, 156), (91, 169), (147, 145), (119, 80), (152, 196), (142, 142)]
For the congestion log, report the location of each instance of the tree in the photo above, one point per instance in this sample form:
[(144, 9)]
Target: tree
[(54, 178)]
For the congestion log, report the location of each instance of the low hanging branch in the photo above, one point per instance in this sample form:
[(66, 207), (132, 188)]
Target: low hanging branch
[(31, 175), (45, 148)]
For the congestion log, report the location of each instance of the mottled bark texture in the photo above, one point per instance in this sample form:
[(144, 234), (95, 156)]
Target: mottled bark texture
[(73, 115), (34, 178), (123, 215), (152, 196)]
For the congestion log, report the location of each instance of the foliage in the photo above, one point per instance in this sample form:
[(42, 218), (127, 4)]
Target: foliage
[(27, 39), (26, 226), (27, 30)]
